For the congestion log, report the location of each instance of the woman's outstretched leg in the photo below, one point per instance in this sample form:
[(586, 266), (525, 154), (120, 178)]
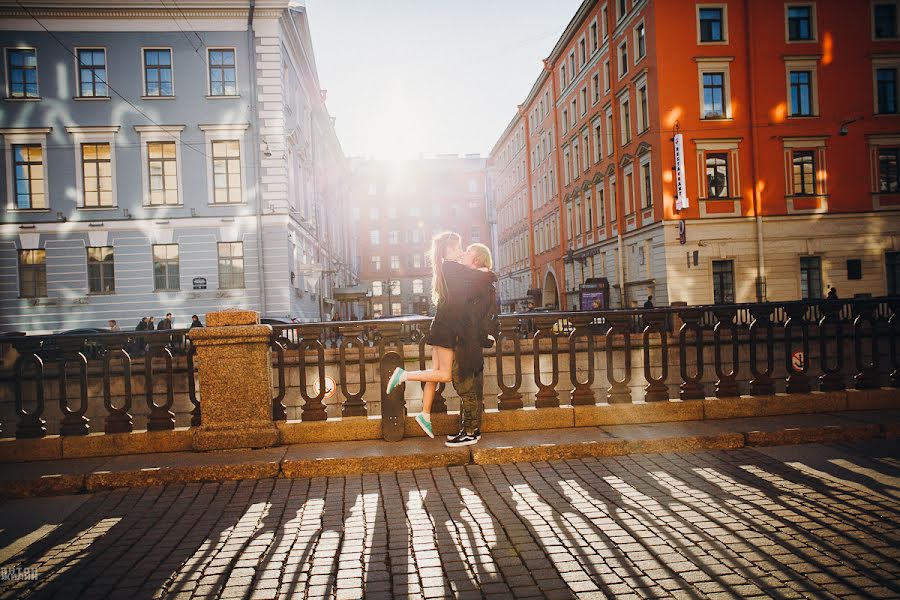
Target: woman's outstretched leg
[(441, 371)]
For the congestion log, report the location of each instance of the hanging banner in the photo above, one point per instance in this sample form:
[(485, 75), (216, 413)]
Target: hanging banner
[(681, 200)]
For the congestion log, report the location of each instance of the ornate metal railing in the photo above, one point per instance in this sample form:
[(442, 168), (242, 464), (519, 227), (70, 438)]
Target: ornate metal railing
[(135, 374), (684, 352), (119, 382)]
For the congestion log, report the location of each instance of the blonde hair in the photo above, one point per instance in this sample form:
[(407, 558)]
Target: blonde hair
[(481, 255), (440, 244)]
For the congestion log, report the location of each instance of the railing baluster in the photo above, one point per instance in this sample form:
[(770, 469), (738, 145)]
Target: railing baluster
[(762, 383), (832, 378), (582, 394), (618, 392), (192, 385), (313, 407), (509, 398), (161, 416), (867, 376), (797, 381), (118, 420), (692, 386), (279, 410), (727, 385), (73, 422), (29, 425), (353, 402), (656, 389), (547, 396), (894, 333)]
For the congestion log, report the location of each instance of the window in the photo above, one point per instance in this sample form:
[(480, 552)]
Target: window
[(644, 109), (598, 140), (595, 88), (800, 23), (396, 308), (885, 14), (96, 169), (586, 149), (376, 263), (810, 277), (162, 167), (584, 101), (613, 209), (231, 265), (623, 59), (712, 25), (28, 165), (92, 73), (562, 77), (646, 186), (475, 234), (601, 205), (226, 171), (604, 15), (377, 288), (395, 287), (222, 79), (32, 273), (582, 52), (629, 193), (622, 10), (374, 237), (395, 262), (609, 132), (566, 169), (418, 286), (392, 212), (887, 91), (393, 238), (565, 120), (625, 114), (573, 114), (373, 213), (717, 175), (22, 73), (158, 73), (101, 270), (640, 42), (892, 267), (887, 170), (373, 189), (713, 95), (723, 281), (801, 96), (595, 43), (473, 185), (804, 172), (606, 76), (165, 267), (576, 160)]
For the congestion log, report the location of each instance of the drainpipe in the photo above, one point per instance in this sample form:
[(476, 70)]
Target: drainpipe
[(761, 293), (256, 161)]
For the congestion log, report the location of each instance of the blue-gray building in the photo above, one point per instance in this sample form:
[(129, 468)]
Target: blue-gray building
[(166, 158)]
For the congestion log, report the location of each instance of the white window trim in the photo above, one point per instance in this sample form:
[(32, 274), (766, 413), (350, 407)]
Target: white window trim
[(622, 97), (75, 61), (596, 24), (215, 133), (819, 145), (14, 137), (8, 97), (604, 23), (718, 64), (610, 134), (237, 85), (645, 161), (595, 97), (587, 53), (607, 76), (620, 72), (883, 61), (813, 25), (613, 200), (160, 133), (724, 8), (802, 63), (598, 143), (144, 72), (584, 97), (634, 30), (629, 194), (94, 135), (872, 20), (638, 84)]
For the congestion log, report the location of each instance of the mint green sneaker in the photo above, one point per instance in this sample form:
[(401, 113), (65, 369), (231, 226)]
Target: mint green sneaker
[(394, 381), (425, 425)]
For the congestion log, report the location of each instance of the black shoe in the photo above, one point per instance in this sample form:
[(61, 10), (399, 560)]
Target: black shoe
[(453, 436), (463, 439)]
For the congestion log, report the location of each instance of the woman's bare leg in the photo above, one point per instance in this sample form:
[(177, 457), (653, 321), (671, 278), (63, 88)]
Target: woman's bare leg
[(441, 371)]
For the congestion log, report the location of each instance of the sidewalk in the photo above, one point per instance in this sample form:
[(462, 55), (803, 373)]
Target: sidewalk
[(43, 478)]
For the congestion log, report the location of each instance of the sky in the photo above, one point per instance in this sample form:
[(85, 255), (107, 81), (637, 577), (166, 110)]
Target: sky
[(411, 77)]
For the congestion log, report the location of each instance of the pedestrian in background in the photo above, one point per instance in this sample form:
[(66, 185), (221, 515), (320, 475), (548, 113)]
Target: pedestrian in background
[(113, 326), (649, 302), (165, 323), (195, 321)]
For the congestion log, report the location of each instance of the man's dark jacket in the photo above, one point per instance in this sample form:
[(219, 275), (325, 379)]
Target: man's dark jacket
[(469, 311)]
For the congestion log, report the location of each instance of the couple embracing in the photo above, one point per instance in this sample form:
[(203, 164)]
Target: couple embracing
[(464, 292)]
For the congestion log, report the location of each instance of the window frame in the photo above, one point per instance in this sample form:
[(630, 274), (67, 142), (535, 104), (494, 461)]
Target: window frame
[(230, 259), (40, 270), (891, 62), (715, 65), (622, 59), (78, 67), (895, 150), (37, 74), (813, 29), (645, 177), (717, 155), (799, 64), (810, 153), (209, 71), (718, 281), (163, 133), (642, 99), (167, 262), (144, 81), (640, 41), (93, 135), (817, 261), (24, 137), (872, 22), (225, 133), (101, 267), (723, 8)]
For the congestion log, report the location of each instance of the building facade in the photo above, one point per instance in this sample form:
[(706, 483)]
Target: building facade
[(398, 207), (786, 113), (161, 159)]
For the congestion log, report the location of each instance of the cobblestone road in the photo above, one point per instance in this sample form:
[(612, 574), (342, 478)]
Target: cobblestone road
[(791, 522)]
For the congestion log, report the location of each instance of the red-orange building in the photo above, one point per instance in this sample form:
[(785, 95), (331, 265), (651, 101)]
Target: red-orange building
[(787, 113), (398, 206)]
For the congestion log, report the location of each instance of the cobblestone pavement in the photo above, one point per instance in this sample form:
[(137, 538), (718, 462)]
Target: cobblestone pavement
[(802, 521)]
